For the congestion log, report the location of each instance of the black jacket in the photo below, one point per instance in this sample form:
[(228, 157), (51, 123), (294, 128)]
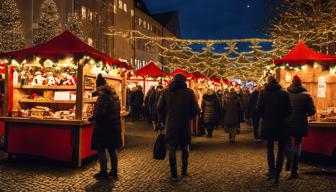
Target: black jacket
[(137, 98), (106, 116), (303, 106), (210, 108), (178, 106), (274, 107)]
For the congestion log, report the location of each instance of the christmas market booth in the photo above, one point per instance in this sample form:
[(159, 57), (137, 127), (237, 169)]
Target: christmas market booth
[(318, 74), (48, 98), (147, 76)]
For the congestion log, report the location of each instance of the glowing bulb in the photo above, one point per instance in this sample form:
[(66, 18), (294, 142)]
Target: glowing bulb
[(305, 67)]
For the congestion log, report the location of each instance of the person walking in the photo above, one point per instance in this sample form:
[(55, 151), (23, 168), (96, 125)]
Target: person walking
[(231, 109), (178, 105), (147, 104), (274, 106), (107, 127), (303, 106), (153, 101), (254, 113), (210, 111), (136, 102)]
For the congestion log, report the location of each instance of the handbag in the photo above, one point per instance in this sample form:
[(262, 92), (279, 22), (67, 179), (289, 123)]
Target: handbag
[(159, 150)]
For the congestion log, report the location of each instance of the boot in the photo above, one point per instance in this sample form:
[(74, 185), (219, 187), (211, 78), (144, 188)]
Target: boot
[(101, 175)]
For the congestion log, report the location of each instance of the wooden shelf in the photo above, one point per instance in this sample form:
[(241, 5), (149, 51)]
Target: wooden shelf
[(105, 76), (46, 101), (53, 87), (90, 100), (54, 101)]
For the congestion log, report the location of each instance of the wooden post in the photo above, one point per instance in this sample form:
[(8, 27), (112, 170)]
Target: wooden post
[(123, 104), (79, 91), (6, 94)]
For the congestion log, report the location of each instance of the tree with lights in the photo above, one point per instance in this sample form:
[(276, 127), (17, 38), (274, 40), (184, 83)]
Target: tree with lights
[(74, 25), (49, 22), (312, 21), (11, 32)]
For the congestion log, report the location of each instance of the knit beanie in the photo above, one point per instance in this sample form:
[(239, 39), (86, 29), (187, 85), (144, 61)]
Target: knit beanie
[(100, 81), (296, 80)]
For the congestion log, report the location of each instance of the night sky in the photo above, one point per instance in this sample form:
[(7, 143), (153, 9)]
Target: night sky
[(216, 19)]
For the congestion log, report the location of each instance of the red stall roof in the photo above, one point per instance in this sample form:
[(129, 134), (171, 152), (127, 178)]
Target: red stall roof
[(62, 45), (150, 70), (302, 54), (198, 75), (215, 79), (183, 72)]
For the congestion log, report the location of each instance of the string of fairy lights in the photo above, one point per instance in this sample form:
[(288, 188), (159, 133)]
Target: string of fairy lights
[(230, 62)]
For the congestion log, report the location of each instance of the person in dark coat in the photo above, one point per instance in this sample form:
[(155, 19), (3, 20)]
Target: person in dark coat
[(153, 101), (107, 127), (147, 104), (303, 106), (178, 105), (137, 99), (231, 109), (254, 113), (210, 111), (274, 106)]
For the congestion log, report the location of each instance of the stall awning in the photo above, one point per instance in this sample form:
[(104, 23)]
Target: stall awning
[(150, 70), (215, 79), (62, 45), (183, 72), (302, 54), (198, 75)]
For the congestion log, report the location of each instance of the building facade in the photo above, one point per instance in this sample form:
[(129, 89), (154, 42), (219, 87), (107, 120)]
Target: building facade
[(97, 16)]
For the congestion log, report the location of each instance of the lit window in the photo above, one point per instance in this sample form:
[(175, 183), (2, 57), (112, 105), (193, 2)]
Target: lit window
[(132, 12), (140, 21), (114, 9), (90, 15), (83, 12), (125, 7), (89, 41), (144, 24), (120, 4), (148, 26)]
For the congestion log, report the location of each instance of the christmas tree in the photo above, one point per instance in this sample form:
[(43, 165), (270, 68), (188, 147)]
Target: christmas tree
[(74, 25), (49, 22), (11, 32)]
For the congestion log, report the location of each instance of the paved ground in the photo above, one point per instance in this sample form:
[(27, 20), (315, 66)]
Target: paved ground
[(215, 165)]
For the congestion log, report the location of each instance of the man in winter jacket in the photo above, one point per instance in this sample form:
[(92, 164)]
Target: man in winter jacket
[(274, 106), (137, 99), (253, 112), (303, 106), (107, 129), (178, 105)]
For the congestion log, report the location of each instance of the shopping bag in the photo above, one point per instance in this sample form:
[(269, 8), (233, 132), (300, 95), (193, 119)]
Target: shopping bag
[(159, 150)]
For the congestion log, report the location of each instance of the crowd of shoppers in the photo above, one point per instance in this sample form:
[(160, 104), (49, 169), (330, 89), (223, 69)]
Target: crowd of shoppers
[(278, 116)]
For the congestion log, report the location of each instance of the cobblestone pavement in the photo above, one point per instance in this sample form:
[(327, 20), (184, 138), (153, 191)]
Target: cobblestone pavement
[(215, 165)]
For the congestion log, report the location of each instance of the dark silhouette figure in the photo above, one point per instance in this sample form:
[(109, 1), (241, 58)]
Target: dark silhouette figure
[(107, 127), (178, 106), (274, 108), (303, 106)]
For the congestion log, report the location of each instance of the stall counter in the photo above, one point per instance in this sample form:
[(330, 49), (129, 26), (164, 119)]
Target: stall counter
[(61, 140), (321, 138)]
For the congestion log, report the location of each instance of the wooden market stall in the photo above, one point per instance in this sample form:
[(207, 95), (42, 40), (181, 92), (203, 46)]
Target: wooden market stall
[(318, 75), (147, 76), (48, 98)]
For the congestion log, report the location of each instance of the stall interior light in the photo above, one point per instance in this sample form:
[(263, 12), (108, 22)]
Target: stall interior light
[(316, 65), (305, 67)]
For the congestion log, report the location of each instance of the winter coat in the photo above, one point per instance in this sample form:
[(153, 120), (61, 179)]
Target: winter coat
[(231, 110), (252, 105), (106, 117), (178, 106), (154, 101), (210, 109), (302, 107), (137, 98), (274, 106), (245, 102)]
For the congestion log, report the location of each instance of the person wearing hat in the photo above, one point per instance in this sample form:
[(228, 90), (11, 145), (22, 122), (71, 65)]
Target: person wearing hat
[(274, 107), (107, 127), (177, 105), (303, 107), (211, 110)]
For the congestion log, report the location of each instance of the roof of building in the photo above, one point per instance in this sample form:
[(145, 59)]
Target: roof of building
[(169, 17), (140, 4)]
